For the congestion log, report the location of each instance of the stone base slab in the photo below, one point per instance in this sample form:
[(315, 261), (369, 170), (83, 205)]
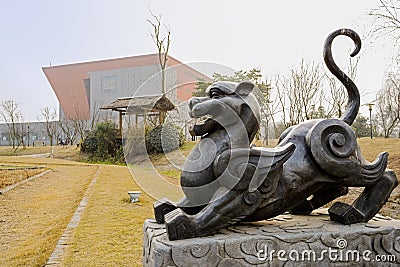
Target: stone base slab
[(286, 240)]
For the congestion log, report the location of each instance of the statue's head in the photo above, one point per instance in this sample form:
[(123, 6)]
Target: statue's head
[(228, 104)]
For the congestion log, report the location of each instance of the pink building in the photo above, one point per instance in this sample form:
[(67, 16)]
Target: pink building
[(82, 87)]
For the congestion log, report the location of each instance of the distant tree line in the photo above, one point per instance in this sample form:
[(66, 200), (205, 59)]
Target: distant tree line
[(308, 92), (67, 131), (388, 106), (386, 23)]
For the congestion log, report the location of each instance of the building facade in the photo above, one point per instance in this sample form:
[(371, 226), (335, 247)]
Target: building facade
[(32, 133), (82, 88)]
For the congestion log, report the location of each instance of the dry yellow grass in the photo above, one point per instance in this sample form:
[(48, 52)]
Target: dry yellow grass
[(110, 231), (10, 177), (9, 151), (372, 147), (15, 160), (60, 152), (34, 215)]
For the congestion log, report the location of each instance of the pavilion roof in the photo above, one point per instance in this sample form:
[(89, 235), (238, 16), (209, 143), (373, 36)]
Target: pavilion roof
[(140, 104)]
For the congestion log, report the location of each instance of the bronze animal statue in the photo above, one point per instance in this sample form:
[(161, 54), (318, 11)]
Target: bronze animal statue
[(226, 180)]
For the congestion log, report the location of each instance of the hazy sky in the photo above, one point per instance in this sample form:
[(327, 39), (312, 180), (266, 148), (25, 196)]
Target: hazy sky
[(271, 35)]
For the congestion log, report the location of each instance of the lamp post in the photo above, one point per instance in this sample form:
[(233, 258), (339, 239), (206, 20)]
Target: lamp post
[(28, 132), (370, 117)]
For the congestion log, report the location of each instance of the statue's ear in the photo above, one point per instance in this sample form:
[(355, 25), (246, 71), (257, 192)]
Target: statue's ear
[(244, 88)]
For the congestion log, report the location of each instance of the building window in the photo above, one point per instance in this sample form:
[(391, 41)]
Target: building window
[(108, 84)]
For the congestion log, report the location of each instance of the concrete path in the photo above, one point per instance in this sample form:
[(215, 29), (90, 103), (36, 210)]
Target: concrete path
[(43, 155)]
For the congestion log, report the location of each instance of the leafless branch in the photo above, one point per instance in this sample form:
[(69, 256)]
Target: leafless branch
[(162, 42)]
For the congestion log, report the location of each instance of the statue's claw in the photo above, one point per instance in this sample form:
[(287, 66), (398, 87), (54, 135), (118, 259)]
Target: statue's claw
[(179, 225), (345, 213), (162, 207)]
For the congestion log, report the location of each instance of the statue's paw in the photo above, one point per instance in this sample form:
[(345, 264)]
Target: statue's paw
[(304, 208), (345, 213), (162, 207), (179, 225)]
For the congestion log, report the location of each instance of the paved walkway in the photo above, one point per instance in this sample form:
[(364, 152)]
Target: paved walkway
[(43, 155)]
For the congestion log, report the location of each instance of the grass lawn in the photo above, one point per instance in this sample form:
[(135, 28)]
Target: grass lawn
[(60, 152), (110, 231), (10, 177), (9, 151), (34, 215)]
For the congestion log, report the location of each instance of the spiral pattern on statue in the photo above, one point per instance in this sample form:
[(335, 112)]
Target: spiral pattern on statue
[(333, 143)]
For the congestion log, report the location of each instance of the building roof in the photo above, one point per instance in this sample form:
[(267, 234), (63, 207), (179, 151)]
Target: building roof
[(141, 104), (67, 80)]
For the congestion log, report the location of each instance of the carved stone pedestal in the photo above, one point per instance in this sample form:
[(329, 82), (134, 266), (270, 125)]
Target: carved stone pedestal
[(286, 240)]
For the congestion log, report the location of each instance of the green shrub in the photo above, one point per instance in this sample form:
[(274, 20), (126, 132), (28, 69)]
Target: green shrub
[(89, 145), (108, 143), (163, 138), (103, 143)]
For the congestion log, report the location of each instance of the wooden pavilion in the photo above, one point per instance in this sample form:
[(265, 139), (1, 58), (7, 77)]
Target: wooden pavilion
[(140, 106)]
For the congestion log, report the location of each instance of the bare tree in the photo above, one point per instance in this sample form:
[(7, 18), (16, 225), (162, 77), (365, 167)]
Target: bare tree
[(388, 105), (162, 41), (21, 131), (10, 114), (77, 126), (337, 97), (95, 114), (67, 128), (267, 109), (386, 19), (386, 22), (80, 123), (298, 94), (49, 114)]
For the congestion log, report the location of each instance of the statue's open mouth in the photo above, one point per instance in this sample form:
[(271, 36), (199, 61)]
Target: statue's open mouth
[(203, 126)]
